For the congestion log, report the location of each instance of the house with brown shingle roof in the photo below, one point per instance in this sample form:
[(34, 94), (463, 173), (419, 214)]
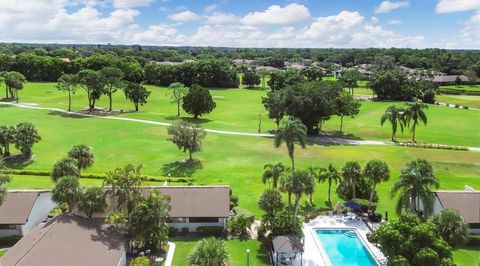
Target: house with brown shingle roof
[(23, 210), (69, 240), (449, 79)]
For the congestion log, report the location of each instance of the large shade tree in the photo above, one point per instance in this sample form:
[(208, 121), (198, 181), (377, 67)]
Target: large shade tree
[(415, 186), (346, 106), (113, 80), (396, 116), (349, 78), (137, 94), (376, 171), (93, 83), (13, 83), (272, 173), (294, 132), (198, 101), (414, 114), (187, 137), (275, 104)]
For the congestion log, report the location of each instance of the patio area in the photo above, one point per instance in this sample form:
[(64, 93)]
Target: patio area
[(314, 254)]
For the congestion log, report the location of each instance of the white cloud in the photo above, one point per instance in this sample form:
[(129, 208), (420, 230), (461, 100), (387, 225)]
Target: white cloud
[(221, 18), (277, 15), (395, 22), (335, 28), (125, 4), (210, 8), (387, 6), (449, 6), (184, 16)]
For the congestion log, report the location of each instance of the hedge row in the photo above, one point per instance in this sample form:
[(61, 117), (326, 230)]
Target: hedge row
[(98, 176), (434, 146), (458, 92)]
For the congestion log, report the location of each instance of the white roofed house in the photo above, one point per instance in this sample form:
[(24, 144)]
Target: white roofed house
[(23, 210)]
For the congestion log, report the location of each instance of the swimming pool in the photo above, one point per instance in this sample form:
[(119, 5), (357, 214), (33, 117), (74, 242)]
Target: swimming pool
[(344, 247)]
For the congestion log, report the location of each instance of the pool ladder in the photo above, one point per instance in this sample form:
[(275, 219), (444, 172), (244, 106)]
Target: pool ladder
[(350, 234)]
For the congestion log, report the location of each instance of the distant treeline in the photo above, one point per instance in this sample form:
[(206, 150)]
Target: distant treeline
[(212, 68)]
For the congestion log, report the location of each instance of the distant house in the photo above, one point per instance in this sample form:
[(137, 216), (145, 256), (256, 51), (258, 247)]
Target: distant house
[(194, 206), (247, 62), (23, 210), (466, 202), (68, 240), (449, 79)]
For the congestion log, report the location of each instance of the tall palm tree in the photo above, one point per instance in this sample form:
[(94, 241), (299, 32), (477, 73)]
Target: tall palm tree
[(414, 185), (272, 172), (376, 171), (300, 182), (83, 154), (66, 191), (65, 167), (414, 114), (331, 175), (352, 173), (395, 115), (293, 132), (92, 200)]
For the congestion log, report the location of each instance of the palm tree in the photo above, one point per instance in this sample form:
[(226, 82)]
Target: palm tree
[(299, 182), (452, 227), (330, 175), (395, 116), (65, 167), (414, 113), (376, 171), (209, 252), (293, 132), (286, 186), (414, 185), (4, 179), (66, 191), (83, 154), (92, 200), (352, 173), (273, 172)]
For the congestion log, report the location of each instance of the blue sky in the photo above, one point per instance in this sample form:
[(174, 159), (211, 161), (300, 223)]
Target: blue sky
[(247, 23)]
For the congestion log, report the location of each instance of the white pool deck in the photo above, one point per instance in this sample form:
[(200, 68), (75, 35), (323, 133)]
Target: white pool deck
[(314, 254)]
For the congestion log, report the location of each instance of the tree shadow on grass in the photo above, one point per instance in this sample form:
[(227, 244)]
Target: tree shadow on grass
[(67, 115), (188, 119), (17, 161), (181, 168)]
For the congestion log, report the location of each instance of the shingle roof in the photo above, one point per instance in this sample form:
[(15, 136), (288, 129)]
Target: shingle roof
[(17, 206), (282, 244), (448, 79), (467, 203), (67, 240)]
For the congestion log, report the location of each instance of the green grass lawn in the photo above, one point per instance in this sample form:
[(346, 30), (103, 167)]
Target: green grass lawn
[(234, 160), (464, 100), (474, 87), (239, 110), (237, 250), (469, 256)]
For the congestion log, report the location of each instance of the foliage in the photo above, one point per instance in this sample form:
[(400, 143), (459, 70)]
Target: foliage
[(251, 78), (414, 185), (271, 201), (7, 136), (216, 231), (26, 135), (4, 179), (198, 101), (91, 200), (294, 132), (281, 79), (414, 114), (298, 183), (13, 83), (112, 77), (272, 172), (376, 171), (452, 227), (209, 252), (350, 77), (187, 136), (66, 191), (137, 94), (239, 224), (65, 167), (148, 222), (140, 261), (67, 83), (93, 83), (330, 175), (409, 240), (346, 106), (274, 103), (392, 85), (83, 155), (352, 176), (282, 223), (176, 92)]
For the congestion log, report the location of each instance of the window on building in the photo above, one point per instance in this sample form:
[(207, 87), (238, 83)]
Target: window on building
[(8, 226), (203, 219)]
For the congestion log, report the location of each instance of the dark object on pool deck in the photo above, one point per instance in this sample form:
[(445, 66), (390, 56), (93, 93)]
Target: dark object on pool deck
[(352, 205), (285, 250), (375, 217)]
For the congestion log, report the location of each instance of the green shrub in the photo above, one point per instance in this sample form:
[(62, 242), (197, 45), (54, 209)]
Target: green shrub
[(465, 107), (140, 261), (238, 224), (457, 106), (217, 231), (240, 211), (473, 241), (185, 230), (172, 231)]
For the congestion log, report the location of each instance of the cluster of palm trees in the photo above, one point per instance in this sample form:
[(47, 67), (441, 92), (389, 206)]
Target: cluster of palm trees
[(399, 117)]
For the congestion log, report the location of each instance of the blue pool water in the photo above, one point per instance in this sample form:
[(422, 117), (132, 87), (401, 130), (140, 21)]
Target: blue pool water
[(345, 248)]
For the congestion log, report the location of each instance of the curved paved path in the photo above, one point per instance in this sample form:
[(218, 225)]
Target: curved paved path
[(339, 141)]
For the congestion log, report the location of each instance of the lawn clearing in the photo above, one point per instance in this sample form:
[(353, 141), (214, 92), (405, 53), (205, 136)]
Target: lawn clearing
[(469, 256), (470, 87), (226, 159), (237, 250), (463, 100)]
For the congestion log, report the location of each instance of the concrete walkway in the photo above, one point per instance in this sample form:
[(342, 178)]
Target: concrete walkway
[(171, 251), (338, 141)]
